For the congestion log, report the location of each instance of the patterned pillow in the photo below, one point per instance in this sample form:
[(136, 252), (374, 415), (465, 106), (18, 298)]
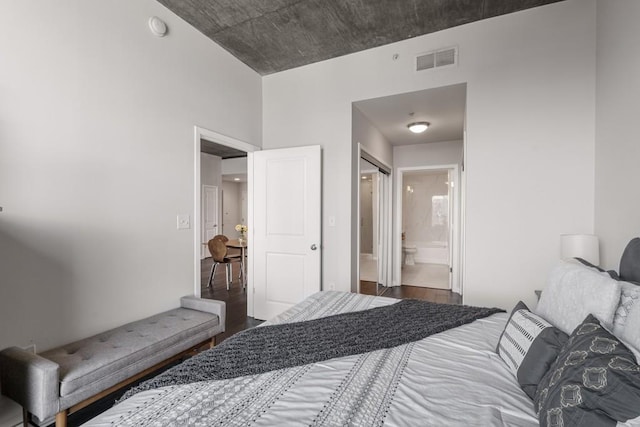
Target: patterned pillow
[(529, 345), (629, 296), (631, 332), (595, 381)]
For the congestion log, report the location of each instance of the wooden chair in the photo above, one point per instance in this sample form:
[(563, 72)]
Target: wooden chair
[(234, 254), (218, 250)]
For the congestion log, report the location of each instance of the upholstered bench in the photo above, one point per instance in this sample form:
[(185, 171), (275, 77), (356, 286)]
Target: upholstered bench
[(65, 379)]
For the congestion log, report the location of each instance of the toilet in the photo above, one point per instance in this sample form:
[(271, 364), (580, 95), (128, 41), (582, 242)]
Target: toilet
[(409, 252)]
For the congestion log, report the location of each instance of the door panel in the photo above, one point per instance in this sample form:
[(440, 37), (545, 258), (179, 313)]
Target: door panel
[(285, 213), (285, 240), (279, 268)]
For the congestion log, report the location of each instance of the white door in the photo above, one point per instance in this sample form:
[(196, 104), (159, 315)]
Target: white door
[(284, 244), (209, 215)]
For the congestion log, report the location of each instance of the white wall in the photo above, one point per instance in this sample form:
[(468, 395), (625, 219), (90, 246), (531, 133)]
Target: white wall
[(432, 154), (97, 159), (210, 174), (617, 201), (210, 170), (232, 209), (234, 166), (373, 141), (530, 107)]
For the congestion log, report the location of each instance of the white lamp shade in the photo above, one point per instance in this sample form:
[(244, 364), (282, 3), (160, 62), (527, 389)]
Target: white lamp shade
[(583, 246)]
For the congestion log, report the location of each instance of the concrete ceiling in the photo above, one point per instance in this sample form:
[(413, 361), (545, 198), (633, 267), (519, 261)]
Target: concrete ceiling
[(443, 107), (276, 35)]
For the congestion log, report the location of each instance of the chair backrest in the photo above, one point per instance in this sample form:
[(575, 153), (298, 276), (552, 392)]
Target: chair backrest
[(218, 249), (222, 237)]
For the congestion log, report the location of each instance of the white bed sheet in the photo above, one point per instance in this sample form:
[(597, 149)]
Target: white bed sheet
[(453, 378)]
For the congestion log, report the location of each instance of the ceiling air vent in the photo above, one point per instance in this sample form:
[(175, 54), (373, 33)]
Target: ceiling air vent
[(437, 58)]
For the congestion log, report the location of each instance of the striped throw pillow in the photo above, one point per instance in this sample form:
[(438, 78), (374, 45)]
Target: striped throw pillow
[(529, 345)]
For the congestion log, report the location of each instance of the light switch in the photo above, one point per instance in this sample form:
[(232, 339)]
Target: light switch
[(184, 222)]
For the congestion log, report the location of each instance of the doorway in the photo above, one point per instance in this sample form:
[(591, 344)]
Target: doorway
[(429, 222), (218, 158), (291, 177)]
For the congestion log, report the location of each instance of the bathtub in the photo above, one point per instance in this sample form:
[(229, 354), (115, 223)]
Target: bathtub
[(430, 252)]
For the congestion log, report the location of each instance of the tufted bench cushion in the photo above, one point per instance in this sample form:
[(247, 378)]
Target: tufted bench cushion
[(116, 353), (57, 379)]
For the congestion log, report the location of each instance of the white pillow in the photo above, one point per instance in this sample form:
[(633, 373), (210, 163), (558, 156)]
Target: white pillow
[(573, 291)]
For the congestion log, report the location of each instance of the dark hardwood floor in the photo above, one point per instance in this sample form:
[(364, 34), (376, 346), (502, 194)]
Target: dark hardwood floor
[(235, 297), (371, 288), (440, 296)]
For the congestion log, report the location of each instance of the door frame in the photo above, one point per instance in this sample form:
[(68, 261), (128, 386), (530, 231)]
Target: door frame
[(386, 209), (198, 134), (455, 277)]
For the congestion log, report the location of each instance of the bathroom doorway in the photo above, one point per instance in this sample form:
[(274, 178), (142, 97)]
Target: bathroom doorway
[(429, 213)]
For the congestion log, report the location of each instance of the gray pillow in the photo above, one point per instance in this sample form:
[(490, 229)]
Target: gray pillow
[(529, 345), (595, 381)]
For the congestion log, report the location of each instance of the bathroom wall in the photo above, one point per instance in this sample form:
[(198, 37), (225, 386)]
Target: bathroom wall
[(425, 214)]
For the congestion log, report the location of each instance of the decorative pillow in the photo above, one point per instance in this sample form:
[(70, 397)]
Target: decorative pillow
[(595, 381), (529, 345), (631, 331), (573, 291), (629, 264)]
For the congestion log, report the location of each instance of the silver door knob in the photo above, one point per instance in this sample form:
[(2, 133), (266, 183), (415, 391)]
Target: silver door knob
[(314, 247)]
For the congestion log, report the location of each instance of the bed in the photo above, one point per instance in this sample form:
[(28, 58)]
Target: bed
[(457, 377)]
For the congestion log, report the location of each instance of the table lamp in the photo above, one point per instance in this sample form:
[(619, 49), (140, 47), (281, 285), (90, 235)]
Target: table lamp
[(583, 246)]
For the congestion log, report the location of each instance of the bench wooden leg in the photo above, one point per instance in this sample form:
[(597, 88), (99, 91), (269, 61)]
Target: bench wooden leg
[(212, 343), (61, 419)]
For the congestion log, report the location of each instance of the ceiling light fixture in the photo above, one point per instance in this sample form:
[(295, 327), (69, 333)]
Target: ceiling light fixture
[(418, 127), (236, 179)]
